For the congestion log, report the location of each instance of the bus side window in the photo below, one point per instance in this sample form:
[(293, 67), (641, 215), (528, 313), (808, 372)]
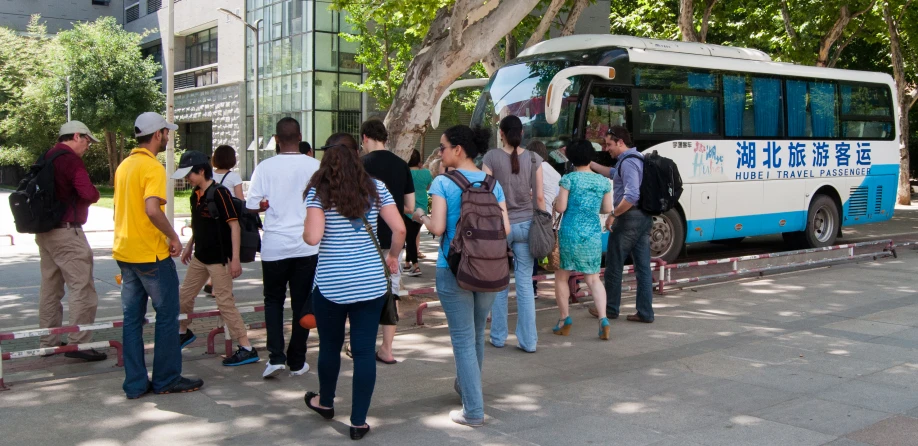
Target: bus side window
[(753, 108), (811, 110)]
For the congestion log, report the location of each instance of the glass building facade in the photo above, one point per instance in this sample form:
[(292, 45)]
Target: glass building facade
[(303, 64)]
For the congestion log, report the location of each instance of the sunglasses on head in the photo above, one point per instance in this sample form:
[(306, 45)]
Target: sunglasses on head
[(331, 146)]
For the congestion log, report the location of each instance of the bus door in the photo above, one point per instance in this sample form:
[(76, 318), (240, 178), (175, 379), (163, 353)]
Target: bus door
[(607, 105)]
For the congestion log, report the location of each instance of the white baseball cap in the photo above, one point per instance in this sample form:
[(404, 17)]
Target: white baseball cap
[(73, 127), (151, 122)]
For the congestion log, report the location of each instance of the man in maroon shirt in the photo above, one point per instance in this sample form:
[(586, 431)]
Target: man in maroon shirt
[(65, 254)]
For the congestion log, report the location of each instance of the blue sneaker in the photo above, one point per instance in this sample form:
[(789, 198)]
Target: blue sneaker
[(186, 338), (241, 357)]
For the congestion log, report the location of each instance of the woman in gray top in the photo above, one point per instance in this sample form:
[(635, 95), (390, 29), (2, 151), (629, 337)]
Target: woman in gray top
[(519, 173)]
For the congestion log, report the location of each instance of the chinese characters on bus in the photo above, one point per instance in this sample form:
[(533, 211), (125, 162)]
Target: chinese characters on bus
[(800, 160)]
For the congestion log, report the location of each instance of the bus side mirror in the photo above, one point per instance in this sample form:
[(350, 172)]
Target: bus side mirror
[(560, 83), (464, 83)]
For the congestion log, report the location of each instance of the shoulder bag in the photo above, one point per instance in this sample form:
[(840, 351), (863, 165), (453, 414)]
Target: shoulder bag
[(389, 315)]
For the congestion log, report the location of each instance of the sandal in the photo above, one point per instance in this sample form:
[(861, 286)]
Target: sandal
[(414, 271)]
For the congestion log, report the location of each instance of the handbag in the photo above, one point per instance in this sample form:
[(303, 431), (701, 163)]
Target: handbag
[(541, 240), (554, 258), (389, 315)]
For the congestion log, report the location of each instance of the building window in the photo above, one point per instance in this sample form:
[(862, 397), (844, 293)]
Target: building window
[(154, 5), (201, 49), (132, 13), (156, 52), (101, 2)]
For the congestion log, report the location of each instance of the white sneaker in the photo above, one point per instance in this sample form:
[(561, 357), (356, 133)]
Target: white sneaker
[(301, 371), (272, 370), (458, 417)]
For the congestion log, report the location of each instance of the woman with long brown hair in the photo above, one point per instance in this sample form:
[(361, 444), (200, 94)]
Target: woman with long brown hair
[(342, 201)]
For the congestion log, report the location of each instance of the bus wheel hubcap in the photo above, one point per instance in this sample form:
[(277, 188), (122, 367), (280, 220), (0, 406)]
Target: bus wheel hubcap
[(823, 225), (661, 236)]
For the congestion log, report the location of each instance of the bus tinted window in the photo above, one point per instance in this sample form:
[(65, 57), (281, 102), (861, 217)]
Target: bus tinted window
[(753, 106), (865, 100), (678, 113), (811, 110), (675, 78)]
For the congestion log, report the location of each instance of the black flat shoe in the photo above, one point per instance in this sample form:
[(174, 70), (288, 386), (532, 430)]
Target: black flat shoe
[(326, 413), (358, 432)]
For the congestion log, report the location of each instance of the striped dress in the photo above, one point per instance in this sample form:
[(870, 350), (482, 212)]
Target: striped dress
[(349, 268)]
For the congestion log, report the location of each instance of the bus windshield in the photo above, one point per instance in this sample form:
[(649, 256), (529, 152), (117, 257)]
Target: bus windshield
[(519, 90)]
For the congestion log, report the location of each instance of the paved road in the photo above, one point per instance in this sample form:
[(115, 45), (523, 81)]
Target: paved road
[(822, 357)]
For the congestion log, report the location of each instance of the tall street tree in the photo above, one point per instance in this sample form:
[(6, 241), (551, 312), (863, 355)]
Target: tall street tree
[(901, 20), (110, 81)]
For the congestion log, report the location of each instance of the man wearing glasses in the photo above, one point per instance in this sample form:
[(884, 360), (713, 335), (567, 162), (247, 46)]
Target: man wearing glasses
[(65, 254), (629, 226)]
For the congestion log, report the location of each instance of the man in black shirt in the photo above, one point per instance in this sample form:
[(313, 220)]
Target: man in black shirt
[(393, 171), (215, 242)]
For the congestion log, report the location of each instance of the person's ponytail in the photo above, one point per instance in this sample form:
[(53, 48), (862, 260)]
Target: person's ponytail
[(513, 136)]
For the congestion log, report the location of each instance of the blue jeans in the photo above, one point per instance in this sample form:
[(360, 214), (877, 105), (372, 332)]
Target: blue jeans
[(467, 315), (159, 282), (526, 333), (630, 235), (330, 318)]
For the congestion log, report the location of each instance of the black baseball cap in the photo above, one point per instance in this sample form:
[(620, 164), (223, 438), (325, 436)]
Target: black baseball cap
[(189, 159)]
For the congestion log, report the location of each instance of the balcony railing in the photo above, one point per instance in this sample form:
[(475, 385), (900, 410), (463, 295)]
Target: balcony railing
[(196, 77)]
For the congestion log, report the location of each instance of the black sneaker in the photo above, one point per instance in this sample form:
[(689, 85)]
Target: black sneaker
[(183, 385), (90, 355), (48, 355), (186, 338), (209, 289), (241, 357)]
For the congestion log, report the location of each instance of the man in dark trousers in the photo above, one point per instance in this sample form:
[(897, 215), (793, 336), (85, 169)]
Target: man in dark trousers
[(286, 260), (65, 254), (629, 226), (394, 172)]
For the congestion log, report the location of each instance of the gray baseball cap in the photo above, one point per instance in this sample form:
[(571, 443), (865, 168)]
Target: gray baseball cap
[(72, 127), (150, 122)]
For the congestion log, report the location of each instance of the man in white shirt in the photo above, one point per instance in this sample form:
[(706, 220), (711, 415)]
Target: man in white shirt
[(277, 189)]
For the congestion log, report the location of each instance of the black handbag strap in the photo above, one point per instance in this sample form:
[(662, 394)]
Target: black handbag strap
[(385, 267)]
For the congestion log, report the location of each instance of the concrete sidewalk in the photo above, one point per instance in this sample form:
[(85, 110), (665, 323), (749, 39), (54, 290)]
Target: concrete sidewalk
[(825, 356)]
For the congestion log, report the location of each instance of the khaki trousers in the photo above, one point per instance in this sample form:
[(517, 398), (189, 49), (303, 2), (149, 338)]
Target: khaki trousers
[(195, 278), (66, 258)]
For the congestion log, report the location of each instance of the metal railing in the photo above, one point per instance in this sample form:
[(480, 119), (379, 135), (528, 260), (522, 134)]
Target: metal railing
[(196, 77)]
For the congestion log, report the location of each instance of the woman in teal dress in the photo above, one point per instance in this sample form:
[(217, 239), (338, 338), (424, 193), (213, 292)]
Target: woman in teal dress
[(583, 196)]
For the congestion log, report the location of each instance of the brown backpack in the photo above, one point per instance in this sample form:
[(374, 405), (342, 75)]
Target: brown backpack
[(478, 252)]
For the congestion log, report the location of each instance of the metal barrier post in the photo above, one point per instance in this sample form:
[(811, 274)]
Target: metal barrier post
[(119, 349), (228, 340), (2, 385), (12, 241)]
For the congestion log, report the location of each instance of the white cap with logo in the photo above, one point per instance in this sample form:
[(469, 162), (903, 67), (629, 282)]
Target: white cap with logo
[(74, 127), (151, 122)]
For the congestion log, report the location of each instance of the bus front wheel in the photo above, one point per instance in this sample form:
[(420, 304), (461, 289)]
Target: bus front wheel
[(667, 235), (822, 223)]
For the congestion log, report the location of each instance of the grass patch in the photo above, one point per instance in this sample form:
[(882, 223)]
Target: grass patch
[(182, 202)]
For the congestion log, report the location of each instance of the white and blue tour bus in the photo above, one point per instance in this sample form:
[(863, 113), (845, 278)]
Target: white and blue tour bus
[(763, 147)]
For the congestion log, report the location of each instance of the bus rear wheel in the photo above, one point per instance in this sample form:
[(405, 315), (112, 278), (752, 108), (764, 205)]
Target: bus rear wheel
[(667, 236), (822, 222)]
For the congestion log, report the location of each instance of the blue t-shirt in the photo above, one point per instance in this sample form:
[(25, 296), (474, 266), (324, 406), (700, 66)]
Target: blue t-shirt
[(452, 193), (349, 268)]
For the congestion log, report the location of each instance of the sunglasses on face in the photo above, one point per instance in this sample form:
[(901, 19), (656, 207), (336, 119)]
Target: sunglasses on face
[(442, 148)]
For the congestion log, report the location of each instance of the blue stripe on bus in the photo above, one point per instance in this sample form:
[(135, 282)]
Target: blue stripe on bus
[(745, 225), (881, 188)]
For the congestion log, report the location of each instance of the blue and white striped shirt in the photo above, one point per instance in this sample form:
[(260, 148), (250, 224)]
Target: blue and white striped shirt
[(349, 268)]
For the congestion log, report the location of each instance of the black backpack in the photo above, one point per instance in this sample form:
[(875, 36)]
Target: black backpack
[(35, 206), (661, 186), (249, 224)]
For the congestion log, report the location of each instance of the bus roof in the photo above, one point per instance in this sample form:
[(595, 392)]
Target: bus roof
[(701, 55), (587, 41)]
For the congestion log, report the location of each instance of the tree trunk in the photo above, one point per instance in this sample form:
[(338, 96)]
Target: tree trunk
[(492, 61), (437, 65), (509, 47), (687, 21), (788, 26), (545, 23), (573, 17), (111, 148), (838, 29), (706, 20), (898, 65)]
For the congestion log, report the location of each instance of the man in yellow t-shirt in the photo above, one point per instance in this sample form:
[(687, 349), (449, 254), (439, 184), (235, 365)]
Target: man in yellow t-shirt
[(145, 242)]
